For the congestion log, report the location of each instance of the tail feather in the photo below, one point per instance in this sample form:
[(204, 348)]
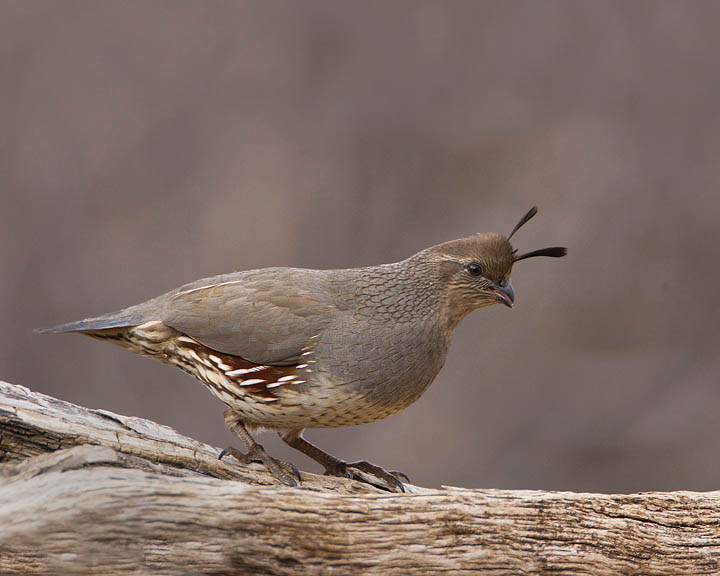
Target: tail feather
[(132, 316), (91, 324)]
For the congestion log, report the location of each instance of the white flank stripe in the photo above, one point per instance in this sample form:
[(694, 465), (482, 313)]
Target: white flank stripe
[(286, 378), (306, 353), (238, 372), (299, 382), (186, 339), (301, 366), (219, 362), (241, 371), (252, 381), (195, 355), (274, 385)]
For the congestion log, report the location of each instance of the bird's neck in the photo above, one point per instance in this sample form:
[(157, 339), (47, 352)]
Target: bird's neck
[(410, 291)]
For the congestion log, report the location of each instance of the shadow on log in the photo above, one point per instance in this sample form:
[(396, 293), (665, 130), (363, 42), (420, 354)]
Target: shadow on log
[(88, 491)]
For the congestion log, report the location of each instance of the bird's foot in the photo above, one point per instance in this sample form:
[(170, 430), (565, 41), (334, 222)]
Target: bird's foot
[(370, 474), (285, 472)]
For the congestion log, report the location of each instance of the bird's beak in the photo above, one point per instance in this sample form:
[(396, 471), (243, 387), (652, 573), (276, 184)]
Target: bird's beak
[(503, 292)]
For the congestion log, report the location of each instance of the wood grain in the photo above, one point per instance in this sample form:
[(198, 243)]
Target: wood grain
[(87, 491)]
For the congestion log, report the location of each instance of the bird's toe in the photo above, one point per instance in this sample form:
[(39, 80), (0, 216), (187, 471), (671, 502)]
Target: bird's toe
[(368, 473), (285, 472)]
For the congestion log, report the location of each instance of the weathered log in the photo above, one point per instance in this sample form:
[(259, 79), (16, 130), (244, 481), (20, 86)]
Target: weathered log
[(88, 491)]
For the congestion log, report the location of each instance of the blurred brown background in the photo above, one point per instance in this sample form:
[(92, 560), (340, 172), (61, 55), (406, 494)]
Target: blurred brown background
[(147, 144)]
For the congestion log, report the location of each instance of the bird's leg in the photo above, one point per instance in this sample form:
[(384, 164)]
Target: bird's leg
[(362, 471), (285, 472)]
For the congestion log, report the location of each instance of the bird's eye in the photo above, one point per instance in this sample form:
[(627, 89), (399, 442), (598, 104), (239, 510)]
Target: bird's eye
[(474, 268)]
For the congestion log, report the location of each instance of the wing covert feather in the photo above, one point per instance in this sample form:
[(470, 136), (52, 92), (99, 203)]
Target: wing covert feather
[(266, 320)]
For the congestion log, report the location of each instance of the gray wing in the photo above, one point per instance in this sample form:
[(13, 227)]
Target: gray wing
[(266, 317)]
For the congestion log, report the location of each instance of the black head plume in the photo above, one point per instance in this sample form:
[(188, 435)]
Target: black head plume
[(553, 252), (523, 220)]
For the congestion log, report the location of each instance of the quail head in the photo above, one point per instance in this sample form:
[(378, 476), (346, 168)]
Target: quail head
[(288, 349)]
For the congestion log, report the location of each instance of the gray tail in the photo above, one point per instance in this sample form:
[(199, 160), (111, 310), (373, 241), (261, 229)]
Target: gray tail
[(92, 324)]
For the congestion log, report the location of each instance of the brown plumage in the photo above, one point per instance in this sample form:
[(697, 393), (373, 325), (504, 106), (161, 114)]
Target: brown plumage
[(289, 349)]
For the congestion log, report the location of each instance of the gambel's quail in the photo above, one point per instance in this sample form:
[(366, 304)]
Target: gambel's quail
[(289, 348)]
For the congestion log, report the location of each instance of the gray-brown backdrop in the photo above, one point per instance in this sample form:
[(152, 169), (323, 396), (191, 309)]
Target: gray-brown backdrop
[(147, 144)]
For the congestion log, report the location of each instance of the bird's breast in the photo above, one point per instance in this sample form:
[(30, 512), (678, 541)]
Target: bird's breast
[(386, 366)]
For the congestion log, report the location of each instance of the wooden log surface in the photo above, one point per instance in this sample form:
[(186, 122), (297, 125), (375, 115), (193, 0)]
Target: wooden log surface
[(88, 491)]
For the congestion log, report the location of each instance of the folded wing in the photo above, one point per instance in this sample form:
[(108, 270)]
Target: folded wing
[(265, 318)]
